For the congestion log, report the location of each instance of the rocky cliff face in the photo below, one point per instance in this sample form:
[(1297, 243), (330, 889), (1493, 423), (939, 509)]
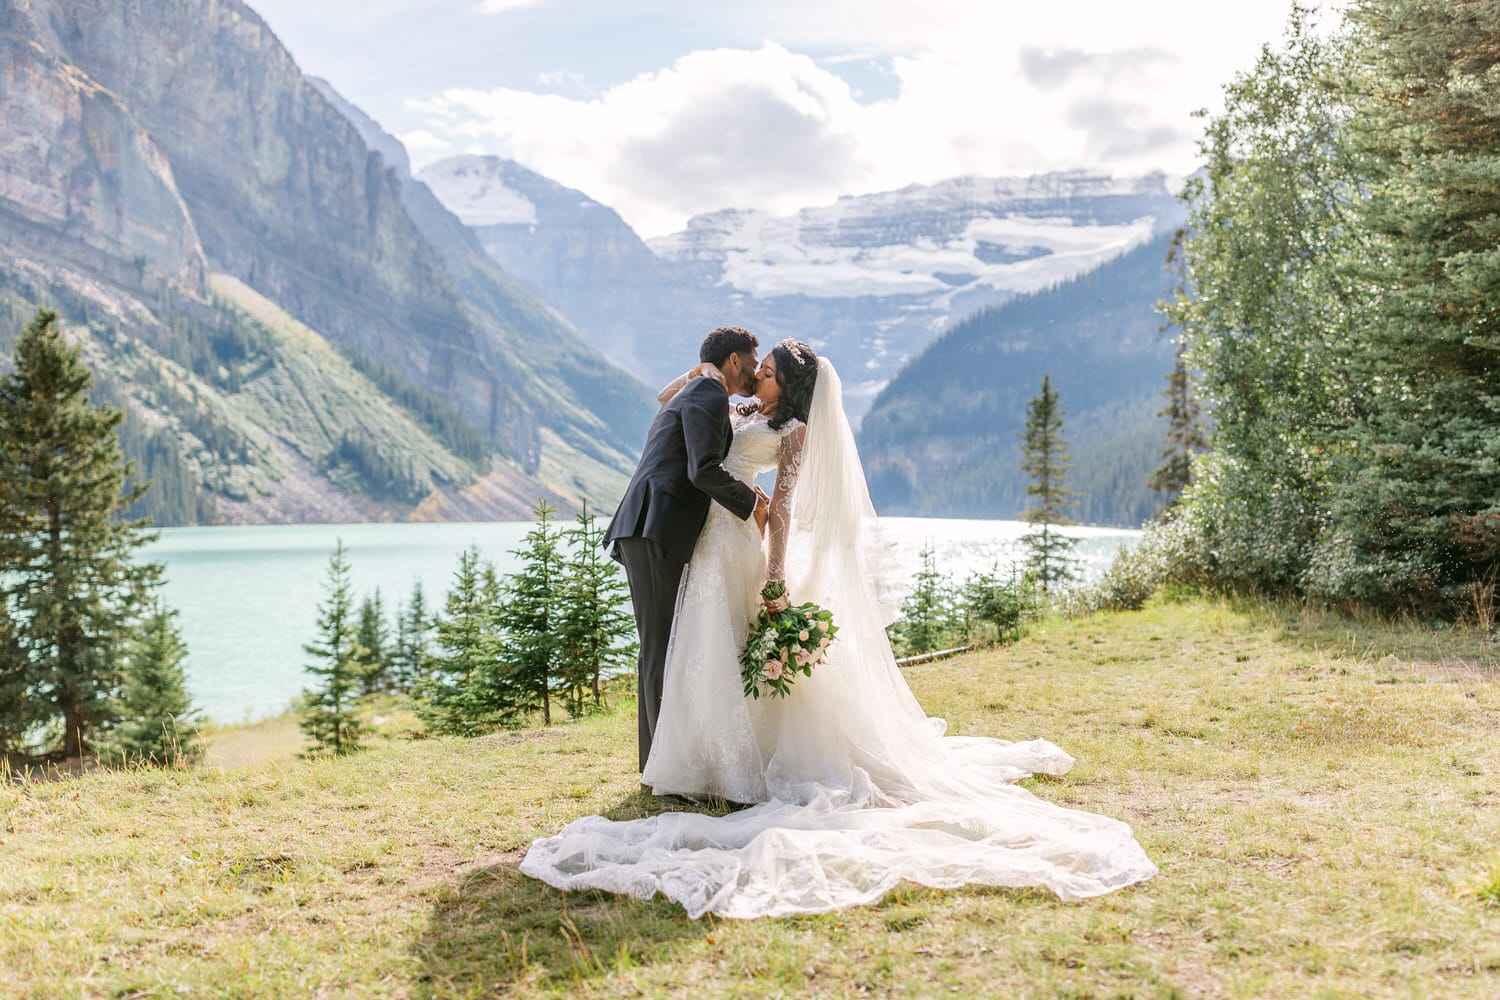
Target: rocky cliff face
[(643, 312), (147, 145), (79, 175)]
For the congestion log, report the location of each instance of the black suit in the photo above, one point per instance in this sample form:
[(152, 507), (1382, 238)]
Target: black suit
[(658, 521)]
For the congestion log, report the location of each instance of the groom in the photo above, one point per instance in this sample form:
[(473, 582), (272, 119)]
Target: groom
[(657, 524)]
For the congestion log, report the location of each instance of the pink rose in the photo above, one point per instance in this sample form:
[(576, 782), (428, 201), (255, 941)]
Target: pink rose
[(822, 626), (823, 643), (771, 670), (804, 657), (802, 636)]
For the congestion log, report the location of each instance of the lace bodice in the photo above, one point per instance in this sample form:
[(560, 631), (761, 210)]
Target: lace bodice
[(756, 448)]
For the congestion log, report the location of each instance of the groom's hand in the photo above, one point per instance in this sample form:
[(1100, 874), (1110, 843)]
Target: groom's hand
[(708, 370), (762, 510)]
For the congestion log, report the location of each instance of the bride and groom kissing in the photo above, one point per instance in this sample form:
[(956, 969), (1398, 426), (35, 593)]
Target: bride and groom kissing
[(849, 787)]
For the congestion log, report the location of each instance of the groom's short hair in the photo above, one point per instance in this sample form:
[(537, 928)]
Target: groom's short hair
[(725, 341)]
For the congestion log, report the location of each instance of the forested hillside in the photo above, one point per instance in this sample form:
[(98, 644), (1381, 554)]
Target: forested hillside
[(942, 437)]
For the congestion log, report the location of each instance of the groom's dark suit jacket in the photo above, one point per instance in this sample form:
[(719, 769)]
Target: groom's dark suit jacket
[(681, 472)]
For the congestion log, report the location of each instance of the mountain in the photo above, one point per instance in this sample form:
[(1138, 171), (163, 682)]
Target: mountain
[(871, 279), (641, 311), (297, 329), (942, 437)]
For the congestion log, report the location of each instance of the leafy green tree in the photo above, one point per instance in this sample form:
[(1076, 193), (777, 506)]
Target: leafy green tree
[(458, 693), (328, 710), (373, 635), (409, 649), (1044, 460), (1185, 437), (157, 724), (71, 588), (596, 627), (529, 620), (1273, 306), (1418, 505)]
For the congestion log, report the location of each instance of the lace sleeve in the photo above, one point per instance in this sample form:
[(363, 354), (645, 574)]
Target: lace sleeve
[(781, 499)]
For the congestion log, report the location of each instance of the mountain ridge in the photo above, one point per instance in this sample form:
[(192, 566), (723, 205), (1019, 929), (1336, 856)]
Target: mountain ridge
[(161, 157)]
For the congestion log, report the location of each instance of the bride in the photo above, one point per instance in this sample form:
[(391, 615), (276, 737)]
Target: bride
[(856, 788)]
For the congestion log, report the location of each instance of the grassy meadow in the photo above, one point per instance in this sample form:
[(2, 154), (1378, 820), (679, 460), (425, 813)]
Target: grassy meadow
[(1321, 793)]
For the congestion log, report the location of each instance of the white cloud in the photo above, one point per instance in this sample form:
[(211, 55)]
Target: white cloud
[(500, 6), (981, 88), (423, 145)]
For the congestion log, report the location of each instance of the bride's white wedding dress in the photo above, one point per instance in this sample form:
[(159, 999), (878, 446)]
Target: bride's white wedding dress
[(857, 789)]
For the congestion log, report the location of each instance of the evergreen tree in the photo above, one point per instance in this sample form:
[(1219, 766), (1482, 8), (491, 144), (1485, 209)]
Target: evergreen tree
[(529, 620), (409, 650), (374, 643), (999, 604), (1420, 500), (1185, 436), (1044, 459), (596, 628), (927, 614), (70, 588), (328, 710), (457, 694), (157, 720)]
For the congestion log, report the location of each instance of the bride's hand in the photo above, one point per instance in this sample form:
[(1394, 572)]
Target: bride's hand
[(706, 369), (781, 603)]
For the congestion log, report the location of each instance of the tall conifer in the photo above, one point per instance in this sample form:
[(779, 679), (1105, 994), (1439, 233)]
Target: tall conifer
[(374, 643), (529, 620), (410, 646), (1044, 459), (1421, 498), (457, 694), (596, 628), (70, 587), (157, 722), (1185, 436), (328, 711)]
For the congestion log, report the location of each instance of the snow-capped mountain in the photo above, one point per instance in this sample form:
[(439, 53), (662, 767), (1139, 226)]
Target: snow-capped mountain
[(871, 279)]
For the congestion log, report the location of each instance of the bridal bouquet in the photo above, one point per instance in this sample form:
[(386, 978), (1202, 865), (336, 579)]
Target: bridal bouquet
[(784, 641)]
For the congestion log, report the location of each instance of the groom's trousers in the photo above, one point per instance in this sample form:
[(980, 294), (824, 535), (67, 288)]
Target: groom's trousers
[(654, 577)]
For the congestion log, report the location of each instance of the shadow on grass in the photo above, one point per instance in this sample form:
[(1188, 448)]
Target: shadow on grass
[(495, 928)]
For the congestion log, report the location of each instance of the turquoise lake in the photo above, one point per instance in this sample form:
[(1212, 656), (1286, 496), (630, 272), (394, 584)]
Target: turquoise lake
[(247, 596)]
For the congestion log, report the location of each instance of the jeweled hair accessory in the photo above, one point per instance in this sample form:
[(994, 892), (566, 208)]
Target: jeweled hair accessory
[(795, 349)]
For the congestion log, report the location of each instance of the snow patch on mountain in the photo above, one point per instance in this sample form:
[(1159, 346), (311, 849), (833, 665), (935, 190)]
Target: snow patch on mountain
[(939, 242), (474, 189)]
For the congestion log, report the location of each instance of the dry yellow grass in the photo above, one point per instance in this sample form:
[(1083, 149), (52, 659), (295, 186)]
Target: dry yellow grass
[(1322, 795)]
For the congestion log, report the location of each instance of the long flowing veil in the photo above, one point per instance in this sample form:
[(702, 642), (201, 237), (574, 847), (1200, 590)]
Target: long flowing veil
[(864, 789), (835, 549)]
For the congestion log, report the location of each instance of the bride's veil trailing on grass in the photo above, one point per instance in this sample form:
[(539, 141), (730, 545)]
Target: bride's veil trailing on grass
[(865, 791)]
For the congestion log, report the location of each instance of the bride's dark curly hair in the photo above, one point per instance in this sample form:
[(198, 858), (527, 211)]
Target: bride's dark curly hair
[(797, 375)]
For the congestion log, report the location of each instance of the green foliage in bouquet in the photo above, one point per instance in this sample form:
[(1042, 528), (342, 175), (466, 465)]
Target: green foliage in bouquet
[(785, 641)]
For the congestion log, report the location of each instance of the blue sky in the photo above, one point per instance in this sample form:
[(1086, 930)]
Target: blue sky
[(663, 109)]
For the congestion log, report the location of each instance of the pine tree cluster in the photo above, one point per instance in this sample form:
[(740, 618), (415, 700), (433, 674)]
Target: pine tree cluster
[(939, 613), (501, 651)]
